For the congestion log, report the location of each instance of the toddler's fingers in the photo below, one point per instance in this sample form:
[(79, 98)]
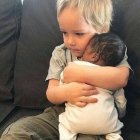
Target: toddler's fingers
[(90, 92), (89, 87), (88, 99), (81, 104)]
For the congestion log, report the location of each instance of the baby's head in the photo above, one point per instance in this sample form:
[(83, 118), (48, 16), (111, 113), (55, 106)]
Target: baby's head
[(105, 49), (97, 13)]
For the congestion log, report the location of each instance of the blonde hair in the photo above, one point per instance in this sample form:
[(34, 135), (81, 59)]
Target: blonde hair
[(97, 13)]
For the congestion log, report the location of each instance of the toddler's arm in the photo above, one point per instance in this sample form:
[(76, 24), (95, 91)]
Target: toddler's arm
[(105, 77), (75, 93)]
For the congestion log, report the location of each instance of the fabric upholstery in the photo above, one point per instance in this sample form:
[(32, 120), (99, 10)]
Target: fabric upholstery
[(127, 26), (39, 35), (9, 24)]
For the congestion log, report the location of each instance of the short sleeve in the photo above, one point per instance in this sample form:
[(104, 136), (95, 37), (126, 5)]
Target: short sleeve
[(57, 63), (125, 63)]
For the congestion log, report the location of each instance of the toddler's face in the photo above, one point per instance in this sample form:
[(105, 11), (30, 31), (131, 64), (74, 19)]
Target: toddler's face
[(76, 32)]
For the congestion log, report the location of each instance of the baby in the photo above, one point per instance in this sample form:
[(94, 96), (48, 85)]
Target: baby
[(100, 118)]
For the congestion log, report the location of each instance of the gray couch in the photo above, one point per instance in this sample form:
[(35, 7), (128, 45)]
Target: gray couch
[(29, 33)]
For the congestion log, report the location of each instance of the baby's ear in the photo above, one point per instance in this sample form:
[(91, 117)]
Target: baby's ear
[(95, 58)]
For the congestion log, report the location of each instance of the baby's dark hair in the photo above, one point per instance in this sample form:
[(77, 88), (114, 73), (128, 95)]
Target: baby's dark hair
[(109, 47)]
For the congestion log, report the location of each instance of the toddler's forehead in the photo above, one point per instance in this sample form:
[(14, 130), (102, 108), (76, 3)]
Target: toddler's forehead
[(71, 16)]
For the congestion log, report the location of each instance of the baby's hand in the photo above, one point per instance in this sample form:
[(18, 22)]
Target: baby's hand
[(80, 94)]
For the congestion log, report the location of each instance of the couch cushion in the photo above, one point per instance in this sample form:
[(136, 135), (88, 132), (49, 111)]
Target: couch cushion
[(5, 109), (127, 26), (39, 35), (9, 21), (130, 34)]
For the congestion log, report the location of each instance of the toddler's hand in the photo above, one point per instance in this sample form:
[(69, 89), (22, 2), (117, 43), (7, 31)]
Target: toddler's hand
[(80, 94)]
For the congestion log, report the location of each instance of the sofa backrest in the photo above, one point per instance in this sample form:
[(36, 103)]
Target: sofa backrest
[(127, 26), (10, 13), (39, 34), (38, 37)]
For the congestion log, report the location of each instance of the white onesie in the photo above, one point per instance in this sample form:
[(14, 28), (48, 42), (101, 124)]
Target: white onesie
[(99, 118)]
